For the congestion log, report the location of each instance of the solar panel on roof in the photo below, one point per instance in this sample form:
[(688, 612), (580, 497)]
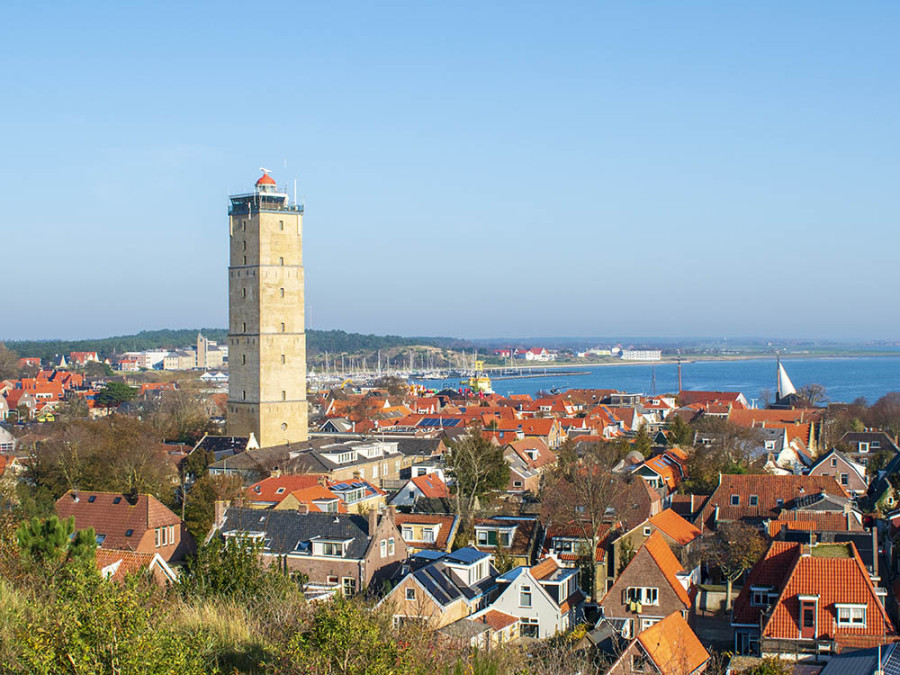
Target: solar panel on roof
[(466, 555), (431, 587), (451, 590)]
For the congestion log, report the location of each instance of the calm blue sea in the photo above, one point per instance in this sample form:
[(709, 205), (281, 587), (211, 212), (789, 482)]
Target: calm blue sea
[(845, 379)]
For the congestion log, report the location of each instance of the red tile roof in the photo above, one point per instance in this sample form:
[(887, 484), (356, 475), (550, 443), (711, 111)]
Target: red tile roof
[(769, 571), (129, 562), (673, 647), (815, 521), (768, 490), (113, 519), (676, 527), (544, 569)]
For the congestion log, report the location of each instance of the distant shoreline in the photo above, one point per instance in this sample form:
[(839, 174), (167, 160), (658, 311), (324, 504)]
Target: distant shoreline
[(666, 360)]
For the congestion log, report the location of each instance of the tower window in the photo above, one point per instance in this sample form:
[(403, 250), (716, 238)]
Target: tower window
[(283, 395), (243, 292), (244, 327), (282, 359), (245, 244), (244, 395), (281, 292), (282, 326), (281, 225), (283, 426), (281, 261), (245, 260), (244, 225), (243, 359)]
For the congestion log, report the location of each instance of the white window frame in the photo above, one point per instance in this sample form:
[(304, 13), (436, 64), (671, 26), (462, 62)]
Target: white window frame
[(851, 615), (526, 598), (410, 594)]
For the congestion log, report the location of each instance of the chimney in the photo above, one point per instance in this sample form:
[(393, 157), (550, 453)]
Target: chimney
[(392, 513), (303, 508), (373, 521), (219, 512), (75, 495)]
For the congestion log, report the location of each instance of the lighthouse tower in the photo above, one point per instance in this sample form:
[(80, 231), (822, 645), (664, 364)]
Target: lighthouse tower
[(266, 326)]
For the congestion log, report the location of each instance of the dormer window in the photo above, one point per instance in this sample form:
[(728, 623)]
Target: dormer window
[(851, 616), (494, 537)]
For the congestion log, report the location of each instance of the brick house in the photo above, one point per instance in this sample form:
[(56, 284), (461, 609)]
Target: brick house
[(667, 647), (142, 524), (849, 474), (755, 498), (423, 531), (336, 551), (651, 587), (680, 535)]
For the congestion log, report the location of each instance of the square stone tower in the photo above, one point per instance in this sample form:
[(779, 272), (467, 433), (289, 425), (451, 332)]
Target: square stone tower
[(266, 328)]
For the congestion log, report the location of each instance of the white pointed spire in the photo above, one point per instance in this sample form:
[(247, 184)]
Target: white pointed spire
[(785, 386)]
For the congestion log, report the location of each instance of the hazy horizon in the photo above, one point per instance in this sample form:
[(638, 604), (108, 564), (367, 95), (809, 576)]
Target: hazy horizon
[(470, 169)]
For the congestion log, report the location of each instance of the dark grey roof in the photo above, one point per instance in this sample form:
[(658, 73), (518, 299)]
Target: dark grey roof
[(819, 502), (466, 556), (417, 446), (223, 446), (464, 629), (289, 532), (445, 588), (864, 662)]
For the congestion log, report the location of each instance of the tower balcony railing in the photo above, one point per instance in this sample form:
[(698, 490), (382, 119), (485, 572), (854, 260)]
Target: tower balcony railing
[(241, 204)]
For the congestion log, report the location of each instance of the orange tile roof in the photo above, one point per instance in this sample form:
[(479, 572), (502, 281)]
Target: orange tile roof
[(756, 416), (497, 620), (129, 562), (769, 571), (276, 488), (444, 533), (673, 647), (432, 486), (544, 569), (667, 562), (320, 492), (833, 580), (544, 454), (676, 527), (814, 521)]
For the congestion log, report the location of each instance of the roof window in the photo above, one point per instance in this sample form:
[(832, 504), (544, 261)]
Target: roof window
[(92, 499), (117, 500), (128, 533)]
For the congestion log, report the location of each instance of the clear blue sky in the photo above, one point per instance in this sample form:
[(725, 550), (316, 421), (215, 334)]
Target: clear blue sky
[(469, 169)]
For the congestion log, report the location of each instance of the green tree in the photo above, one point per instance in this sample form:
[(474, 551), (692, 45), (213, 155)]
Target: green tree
[(770, 665), (230, 569), (682, 433), (395, 386), (642, 441), (626, 554), (478, 469), (734, 548), (9, 363), (114, 394), (346, 637), (98, 369), (199, 502), (48, 544)]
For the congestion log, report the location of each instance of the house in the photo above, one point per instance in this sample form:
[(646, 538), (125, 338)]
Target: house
[(338, 552), (119, 565), (734, 399), (141, 524), (82, 358), (668, 647), (754, 498), (427, 486), (862, 445), (446, 588), (803, 601), (223, 447), (544, 598), (426, 531), (513, 536), (664, 471), (316, 492), (7, 440), (680, 535), (651, 587), (528, 459), (484, 630), (569, 545), (850, 475)]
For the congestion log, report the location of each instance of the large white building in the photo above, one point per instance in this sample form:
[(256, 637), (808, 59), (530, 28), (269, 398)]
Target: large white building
[(641, 354)]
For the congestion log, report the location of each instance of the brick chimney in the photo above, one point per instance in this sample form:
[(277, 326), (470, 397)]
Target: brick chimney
[(219, 512), (373, 521), (392, 513)]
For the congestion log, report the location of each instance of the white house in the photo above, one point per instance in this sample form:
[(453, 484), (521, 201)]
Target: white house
[(545, 598)]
